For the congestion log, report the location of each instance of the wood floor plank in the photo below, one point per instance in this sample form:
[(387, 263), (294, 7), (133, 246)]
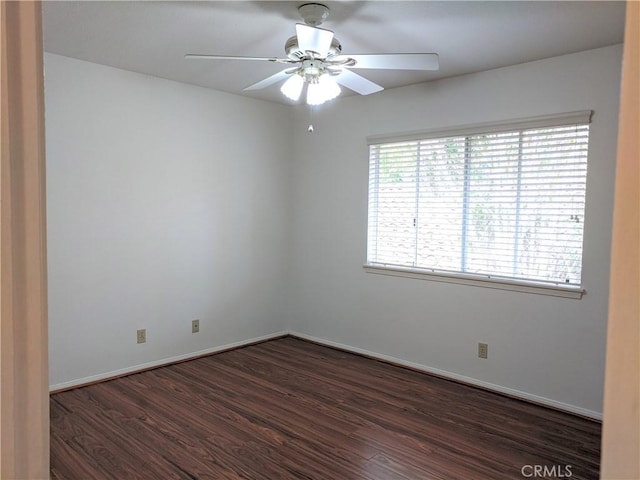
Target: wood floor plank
[(291, 409)]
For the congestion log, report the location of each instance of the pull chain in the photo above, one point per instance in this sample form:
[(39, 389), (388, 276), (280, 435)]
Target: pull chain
[(310, 129)]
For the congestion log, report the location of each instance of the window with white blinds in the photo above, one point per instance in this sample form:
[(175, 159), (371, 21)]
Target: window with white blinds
[(499, 201)]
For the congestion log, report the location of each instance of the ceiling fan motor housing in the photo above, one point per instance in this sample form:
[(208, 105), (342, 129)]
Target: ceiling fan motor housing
[(293, 51)]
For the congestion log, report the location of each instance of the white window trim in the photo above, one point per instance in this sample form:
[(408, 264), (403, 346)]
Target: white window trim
[(486, 281), (554, 290)]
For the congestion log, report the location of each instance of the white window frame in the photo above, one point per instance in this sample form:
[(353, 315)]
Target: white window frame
[(487, 281)]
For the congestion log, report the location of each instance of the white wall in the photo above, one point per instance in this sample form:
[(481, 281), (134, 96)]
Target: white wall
[(548, 348), (166, 203)]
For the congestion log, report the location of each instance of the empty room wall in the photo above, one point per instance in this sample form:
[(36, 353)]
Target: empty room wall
[(166, 203), (545, 348)]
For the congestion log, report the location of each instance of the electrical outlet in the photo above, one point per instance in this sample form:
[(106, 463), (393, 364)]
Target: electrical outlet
[(142, 335), (195, 326), (483, 350)]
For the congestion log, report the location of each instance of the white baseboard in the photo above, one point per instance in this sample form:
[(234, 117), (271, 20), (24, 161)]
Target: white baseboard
[(460, 378), (158, 363)]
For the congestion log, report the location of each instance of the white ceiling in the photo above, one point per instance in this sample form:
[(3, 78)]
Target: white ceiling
[(152, 37)]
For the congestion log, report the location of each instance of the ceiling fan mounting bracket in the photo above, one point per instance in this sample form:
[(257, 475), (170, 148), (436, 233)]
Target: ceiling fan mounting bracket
[(313, 14)]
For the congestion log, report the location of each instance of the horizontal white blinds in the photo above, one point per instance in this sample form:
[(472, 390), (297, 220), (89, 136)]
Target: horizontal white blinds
[(504, 204)]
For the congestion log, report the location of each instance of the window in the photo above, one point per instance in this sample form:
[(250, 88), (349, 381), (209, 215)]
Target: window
[(493, 202)]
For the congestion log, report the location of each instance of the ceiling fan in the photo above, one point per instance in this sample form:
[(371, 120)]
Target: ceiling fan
[(316, 60)]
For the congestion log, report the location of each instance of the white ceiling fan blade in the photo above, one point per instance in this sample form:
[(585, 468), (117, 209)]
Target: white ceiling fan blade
[(358, 84), (314, 39), (197, 56), (269, 80), (397, 61)]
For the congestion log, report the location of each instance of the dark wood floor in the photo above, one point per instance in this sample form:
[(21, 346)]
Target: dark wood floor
[(289, 409)]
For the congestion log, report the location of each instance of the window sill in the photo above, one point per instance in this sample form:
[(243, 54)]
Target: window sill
[(462, 279)]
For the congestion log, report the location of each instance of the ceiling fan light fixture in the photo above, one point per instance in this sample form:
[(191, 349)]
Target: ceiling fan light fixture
[(292, 88), (329, 86), (314, 95), (321, 90)]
